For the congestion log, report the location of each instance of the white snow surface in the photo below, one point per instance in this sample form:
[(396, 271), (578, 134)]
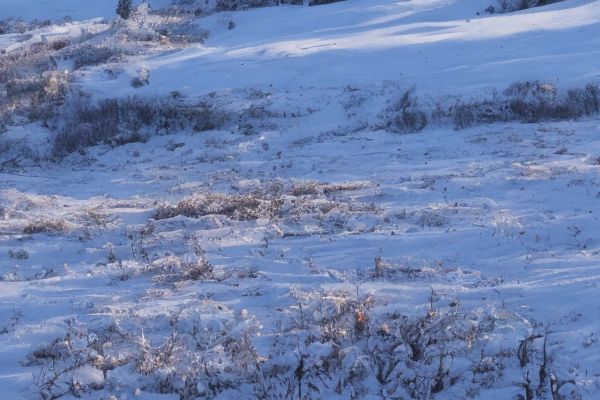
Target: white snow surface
[(442, 46), (505, 216), (54, 10)]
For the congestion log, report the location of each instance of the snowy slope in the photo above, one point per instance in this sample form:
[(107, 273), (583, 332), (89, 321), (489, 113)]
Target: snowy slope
[(54, 10), (441, 46), (499, 221)]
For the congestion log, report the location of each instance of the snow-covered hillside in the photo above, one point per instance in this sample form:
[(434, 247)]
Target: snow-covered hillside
[(54, 10), (441, 46), (350, 207)]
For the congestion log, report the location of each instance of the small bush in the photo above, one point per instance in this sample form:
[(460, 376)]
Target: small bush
[(164, 26), (13, 151), (81, 123), (232, 5), (45, 226), (142, 79), (94, 55), (405, 116), (486, 111), (32, 87), (17, 25), (584, 102), (124, 8), (528, 102), (238, 207), (20, 254), (189, 267), (517, 5), (182, 33), (320, 2), (524, 101), (60, 44)]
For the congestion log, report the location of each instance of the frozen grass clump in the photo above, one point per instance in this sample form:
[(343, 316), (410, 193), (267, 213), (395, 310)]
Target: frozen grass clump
[(232, 5), (405, 116), (162, 26), (320, 2), (176, 353), (332, 343), (92, 55), (412, 270), (13, 152), (81, 122), (18, 25), (200, 7), (528, 102), (35, 82), (504, 6), (237, 207), (45, 226), (32, 86), (77, 363), (348, 345), (188, 267), (20, 254), (524, 101), (296, 207)]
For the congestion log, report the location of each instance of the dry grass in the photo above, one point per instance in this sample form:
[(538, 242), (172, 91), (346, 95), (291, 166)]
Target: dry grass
[(45, 226), (238, 207)]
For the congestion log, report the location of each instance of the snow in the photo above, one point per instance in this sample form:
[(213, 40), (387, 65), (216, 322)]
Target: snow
[(12, 41), (54, 10), (497, 216), (442, 47)]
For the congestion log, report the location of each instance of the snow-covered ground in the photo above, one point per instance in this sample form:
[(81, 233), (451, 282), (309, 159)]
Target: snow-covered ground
[(54, 10), (499, 222), (441, 46)]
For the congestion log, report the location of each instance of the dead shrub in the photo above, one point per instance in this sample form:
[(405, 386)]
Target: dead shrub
[(188, 267), (314, 188), (505, 6), (81, 123), (528, 102), (405, 116), (60, 348), (32, 87), (142, 78), (13, 152), (523, 101), (60, 44), (584, 102), (321, 2), (92, 55), (238, 207), (13, 25), (233, 5), (345, 342), (20, 254), (45, 226), (484, 112), (74, 364)]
